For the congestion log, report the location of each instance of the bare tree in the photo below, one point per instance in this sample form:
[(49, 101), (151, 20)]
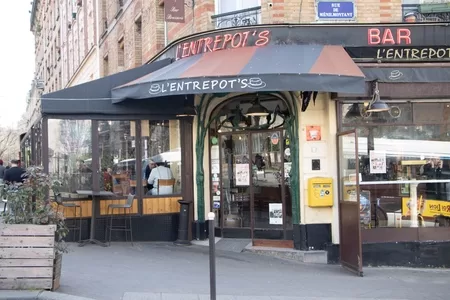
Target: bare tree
[(9, 143)]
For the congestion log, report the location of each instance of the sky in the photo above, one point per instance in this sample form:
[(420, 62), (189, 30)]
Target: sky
[(16, 60)]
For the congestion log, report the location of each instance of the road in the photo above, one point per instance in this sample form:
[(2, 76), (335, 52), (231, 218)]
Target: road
[(110, 273)]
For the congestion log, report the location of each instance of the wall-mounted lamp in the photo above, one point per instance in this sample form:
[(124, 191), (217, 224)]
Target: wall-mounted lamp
[(376, 104), (188, 110)]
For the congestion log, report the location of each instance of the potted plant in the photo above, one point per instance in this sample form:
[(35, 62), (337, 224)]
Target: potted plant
[(32, 233)]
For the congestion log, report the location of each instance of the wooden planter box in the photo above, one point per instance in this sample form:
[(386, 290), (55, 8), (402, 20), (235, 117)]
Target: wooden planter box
[(27, 257)]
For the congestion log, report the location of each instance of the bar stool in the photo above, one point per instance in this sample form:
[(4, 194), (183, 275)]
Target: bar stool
[(76, 225), (127, 226)]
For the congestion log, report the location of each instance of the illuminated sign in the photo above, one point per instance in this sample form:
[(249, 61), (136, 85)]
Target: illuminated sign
[(399, 38), (218, 42), (367, 43)]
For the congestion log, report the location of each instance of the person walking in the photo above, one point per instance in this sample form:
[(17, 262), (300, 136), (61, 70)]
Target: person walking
[(14, 174)]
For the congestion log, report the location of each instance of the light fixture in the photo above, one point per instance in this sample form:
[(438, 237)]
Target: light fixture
[(257, 110), (188, 110), (353, 111), (376, 105)]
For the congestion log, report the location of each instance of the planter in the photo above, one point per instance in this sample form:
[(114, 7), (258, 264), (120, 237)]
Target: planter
[(27, 257)]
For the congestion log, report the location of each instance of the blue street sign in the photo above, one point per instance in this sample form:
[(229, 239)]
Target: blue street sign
[(341, 10)]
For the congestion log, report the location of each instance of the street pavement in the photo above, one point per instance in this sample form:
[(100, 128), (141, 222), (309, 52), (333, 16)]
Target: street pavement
[(155, 271)]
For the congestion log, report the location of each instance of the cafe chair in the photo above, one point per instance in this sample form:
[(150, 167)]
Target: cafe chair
[(166, 182), (77, 221), (126, 226)]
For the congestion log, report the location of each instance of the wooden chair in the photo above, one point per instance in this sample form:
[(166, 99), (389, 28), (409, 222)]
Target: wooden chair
[(166, 182)]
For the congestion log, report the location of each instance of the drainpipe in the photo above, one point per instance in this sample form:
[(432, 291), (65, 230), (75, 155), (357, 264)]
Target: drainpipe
[(97, 33), (165, 34)]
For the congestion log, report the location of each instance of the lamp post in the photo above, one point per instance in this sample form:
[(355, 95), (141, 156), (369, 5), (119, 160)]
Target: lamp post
[(212, 257)]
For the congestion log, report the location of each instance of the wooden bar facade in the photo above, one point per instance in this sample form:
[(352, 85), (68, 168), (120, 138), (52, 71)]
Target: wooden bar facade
[(152, 206)]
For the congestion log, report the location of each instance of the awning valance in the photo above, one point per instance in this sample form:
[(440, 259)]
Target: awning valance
[(251, 69), (94, 97), (407, 74)]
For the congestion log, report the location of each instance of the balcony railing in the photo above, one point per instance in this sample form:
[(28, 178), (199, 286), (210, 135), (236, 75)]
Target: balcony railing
[(243, 17)]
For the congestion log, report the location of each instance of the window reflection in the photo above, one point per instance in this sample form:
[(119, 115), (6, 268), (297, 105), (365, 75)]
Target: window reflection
[(70, 153), (161, 157), (117, 153), (404, 169)]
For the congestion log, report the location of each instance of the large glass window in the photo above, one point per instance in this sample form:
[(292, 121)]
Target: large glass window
[(70, 153), (404, 157), (117, 154), (161, 160)]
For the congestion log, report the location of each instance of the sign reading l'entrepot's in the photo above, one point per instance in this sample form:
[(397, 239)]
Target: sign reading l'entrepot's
[(363, 43), (218, 42)]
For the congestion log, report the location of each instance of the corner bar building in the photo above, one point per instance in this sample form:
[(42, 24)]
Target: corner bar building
[(313, 137)]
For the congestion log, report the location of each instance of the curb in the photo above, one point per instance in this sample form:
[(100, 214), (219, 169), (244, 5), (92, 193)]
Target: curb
[(38, 295)]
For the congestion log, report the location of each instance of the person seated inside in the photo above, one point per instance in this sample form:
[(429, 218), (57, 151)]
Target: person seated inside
[(157, 173), (148, 169)]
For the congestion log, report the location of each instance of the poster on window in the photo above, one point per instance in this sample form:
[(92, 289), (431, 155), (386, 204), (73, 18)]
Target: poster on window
[(287, 169), (377, 162), (242, 174), (275, 213)]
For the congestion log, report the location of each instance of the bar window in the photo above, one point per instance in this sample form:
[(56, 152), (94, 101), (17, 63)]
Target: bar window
[(70, 154), (161, 157), (404, 169), (117, 155)]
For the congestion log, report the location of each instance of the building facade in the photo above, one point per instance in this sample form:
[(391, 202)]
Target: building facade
[(133, 31), (296, 135)]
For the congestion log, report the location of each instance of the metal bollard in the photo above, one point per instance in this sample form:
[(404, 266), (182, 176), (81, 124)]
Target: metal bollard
[(212, 257)]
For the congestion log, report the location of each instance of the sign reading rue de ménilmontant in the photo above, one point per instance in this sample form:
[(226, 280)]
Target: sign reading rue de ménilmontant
[(343, 10)]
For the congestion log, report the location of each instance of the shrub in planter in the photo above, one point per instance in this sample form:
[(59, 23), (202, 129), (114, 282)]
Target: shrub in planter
[(29, 204)]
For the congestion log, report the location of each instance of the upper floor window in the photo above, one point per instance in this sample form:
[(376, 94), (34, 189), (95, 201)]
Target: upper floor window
[(233, 13)]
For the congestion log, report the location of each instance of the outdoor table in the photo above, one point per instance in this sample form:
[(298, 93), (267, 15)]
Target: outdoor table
[(413, 192), (93, 194)]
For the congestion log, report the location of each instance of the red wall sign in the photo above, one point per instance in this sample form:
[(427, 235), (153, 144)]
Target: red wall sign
[(223, 41)]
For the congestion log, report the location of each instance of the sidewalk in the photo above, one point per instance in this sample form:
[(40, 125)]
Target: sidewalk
[(137, 273), (36, 295)]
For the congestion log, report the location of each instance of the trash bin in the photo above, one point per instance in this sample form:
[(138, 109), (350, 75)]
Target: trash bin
[(183, 227)]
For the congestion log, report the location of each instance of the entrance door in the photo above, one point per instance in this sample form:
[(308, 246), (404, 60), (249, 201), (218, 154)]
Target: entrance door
[(253, 191), (267, 190), (349, 205)]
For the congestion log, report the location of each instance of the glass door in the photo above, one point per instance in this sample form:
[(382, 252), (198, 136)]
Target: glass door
[(235, 175), (250, 183), (268, 187), (349, 203)]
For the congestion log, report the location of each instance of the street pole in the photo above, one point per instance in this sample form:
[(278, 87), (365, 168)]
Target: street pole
[(212, 257)]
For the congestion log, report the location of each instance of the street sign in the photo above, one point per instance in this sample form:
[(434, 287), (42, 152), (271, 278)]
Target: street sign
[(335, 10)]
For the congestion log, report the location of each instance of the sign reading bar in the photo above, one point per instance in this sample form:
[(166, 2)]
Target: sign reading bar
[(218, 42), (174, 11), (336, 10)]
